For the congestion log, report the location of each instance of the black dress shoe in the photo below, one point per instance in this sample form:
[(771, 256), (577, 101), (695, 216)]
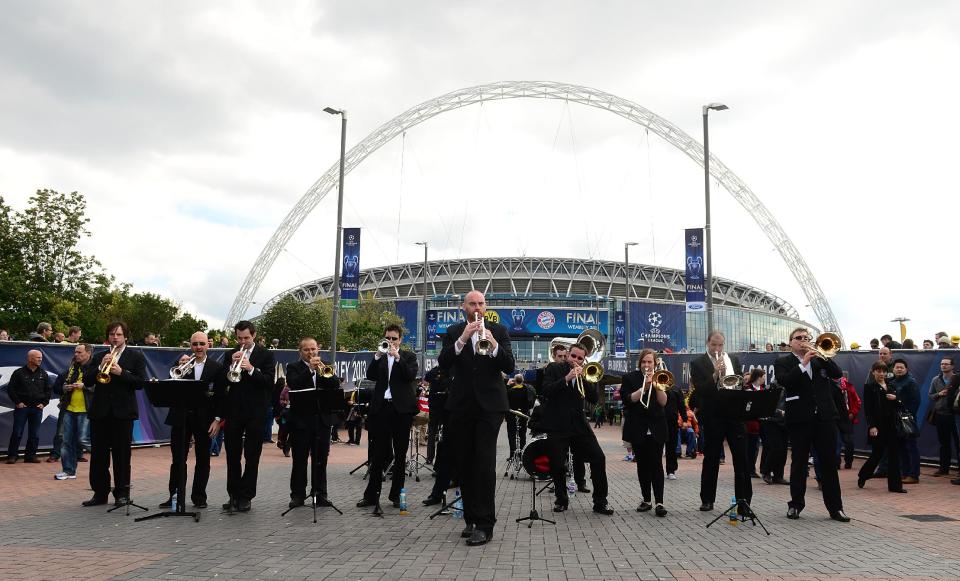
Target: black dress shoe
[(661, 511), (230, 504), (839, 515), (365, 502), (706, 507), (955, 481), (295, 502), (780, 481), (861, 481), (583, 488), (432, 500), (768, 479), (477, 538), (644, 506), (168, 503), (901, 491), (560, 506), (602, 509), (95, 501), (199, 503), (467, 532), (243, 505), (793, 513)]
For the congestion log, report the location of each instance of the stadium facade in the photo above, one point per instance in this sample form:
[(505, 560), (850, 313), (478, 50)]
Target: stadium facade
[(542, 298)]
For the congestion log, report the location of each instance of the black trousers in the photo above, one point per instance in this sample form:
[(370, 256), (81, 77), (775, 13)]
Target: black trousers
[(586, 447), (243, 438), (848, 447), (474, 433), (389, 435), (649, 454), (354, 430), (885, 444), (110, 438), (513, 424), (948, 436), (433, 428), (715, 431), (310, 440), (773, 459), (197, 428), (671, 445), (821, 436), (443, 464)]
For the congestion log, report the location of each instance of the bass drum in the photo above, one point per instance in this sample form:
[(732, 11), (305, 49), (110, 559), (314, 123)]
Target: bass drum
[(536, 460)]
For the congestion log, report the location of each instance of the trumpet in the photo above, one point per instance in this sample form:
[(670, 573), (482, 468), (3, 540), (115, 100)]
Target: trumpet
[(178, 371), (484, 346), (233, 375), (726, 381), (827, 345), (103, 376), (325, 371), (384, 347)]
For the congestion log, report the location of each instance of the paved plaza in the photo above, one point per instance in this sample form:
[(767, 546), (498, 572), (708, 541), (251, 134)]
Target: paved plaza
[(46, 534)]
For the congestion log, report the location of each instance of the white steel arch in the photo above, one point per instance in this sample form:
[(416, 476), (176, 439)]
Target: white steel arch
[(535, 90)]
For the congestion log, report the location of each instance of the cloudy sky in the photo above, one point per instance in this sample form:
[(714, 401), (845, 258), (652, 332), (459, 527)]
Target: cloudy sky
[(193, 128)]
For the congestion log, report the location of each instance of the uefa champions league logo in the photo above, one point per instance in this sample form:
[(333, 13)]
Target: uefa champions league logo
[(655, 320), (517, 315), (693, 242), (694, 266), (350, 264)]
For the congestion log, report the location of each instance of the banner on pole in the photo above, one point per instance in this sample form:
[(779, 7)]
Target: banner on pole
[(694, 279), (350, 279)]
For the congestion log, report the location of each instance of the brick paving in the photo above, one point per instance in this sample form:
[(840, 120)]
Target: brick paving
[(46, 534)]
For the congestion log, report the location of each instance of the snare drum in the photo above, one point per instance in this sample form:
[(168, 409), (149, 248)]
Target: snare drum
[(536, 459)]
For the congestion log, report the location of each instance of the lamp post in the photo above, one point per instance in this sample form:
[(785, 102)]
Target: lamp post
[(336, 268), (706, 189), (423, 336), (626, 287)]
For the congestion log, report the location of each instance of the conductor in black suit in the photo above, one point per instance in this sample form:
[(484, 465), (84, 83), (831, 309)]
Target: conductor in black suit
[(111, 414), (245, 413), (811, 418), (477, 403), (390, 415), (705, 371), (201, 423), (309, 425)]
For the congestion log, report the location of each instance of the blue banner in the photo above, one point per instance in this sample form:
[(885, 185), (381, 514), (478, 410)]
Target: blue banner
[(658, 326), (523, 321), (619, 332), (408, 311), (694, 279), (350, 279), (149, 428)]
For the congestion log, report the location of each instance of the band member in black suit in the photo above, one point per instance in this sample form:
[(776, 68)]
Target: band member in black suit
[(111, 414), (705, 371), (567, 427), (245, 411), (521, 397), (390, 415), (811, 418), (645, 428), (202, 424), (477, 403), (309, 426)]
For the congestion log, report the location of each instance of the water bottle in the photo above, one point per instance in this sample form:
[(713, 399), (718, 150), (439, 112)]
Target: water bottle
[(571, 485), (732, 514), (443, 503), (458, 506), (173, 502), (403, 501)]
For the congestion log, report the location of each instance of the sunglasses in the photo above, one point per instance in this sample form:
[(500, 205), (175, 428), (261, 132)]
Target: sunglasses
[(198, 343)]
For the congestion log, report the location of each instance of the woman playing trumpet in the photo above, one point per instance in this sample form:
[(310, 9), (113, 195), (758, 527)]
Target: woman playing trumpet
[(645, 427)]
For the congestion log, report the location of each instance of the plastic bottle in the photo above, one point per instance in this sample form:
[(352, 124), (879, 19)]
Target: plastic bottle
[(443, 502), (173, 502), (403, 502), (732, 514), (458, 506), (571, 485)]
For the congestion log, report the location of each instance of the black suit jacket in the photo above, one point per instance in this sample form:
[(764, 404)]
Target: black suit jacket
[(807, 399), (250, 397), (402, 383), (638, 418), (701, 376), (214, 404), (561, 408), (302, 410), (118, 398), (477, 379)]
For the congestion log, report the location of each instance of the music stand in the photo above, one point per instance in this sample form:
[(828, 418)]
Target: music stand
[(323, 401), (739, 405), (183, 395)]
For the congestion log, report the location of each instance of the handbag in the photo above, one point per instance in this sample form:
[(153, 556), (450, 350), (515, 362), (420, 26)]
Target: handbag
[(931, 416), (907, 425)]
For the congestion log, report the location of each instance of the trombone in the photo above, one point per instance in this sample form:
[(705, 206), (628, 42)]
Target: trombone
[(662, 379), (484, 346), (178, 371), (827, 345), (103, 376), (233, 375)]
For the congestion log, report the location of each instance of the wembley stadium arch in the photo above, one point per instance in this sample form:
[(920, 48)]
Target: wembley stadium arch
[(537, 90)]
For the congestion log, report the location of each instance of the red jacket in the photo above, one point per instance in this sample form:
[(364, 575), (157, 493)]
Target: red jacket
[(852, 399)]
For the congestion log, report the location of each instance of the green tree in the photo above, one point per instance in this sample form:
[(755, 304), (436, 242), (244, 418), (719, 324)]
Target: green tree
[(288, 320)]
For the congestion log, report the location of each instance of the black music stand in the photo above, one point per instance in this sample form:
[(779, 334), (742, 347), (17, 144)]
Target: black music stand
[(183, 395), (740, 405), (323, 401)]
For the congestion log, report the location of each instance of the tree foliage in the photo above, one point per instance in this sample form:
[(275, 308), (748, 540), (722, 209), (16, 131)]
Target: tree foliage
[(357, 329), (45, 277)]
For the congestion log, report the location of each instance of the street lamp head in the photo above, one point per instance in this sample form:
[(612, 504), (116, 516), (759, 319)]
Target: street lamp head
[(420, 243), (715, 107), (332, 111), (629, 243)]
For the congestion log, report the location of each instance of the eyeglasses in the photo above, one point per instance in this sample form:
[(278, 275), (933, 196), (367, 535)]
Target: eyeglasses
[(198, 343), (802, 338), (392, 338)]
